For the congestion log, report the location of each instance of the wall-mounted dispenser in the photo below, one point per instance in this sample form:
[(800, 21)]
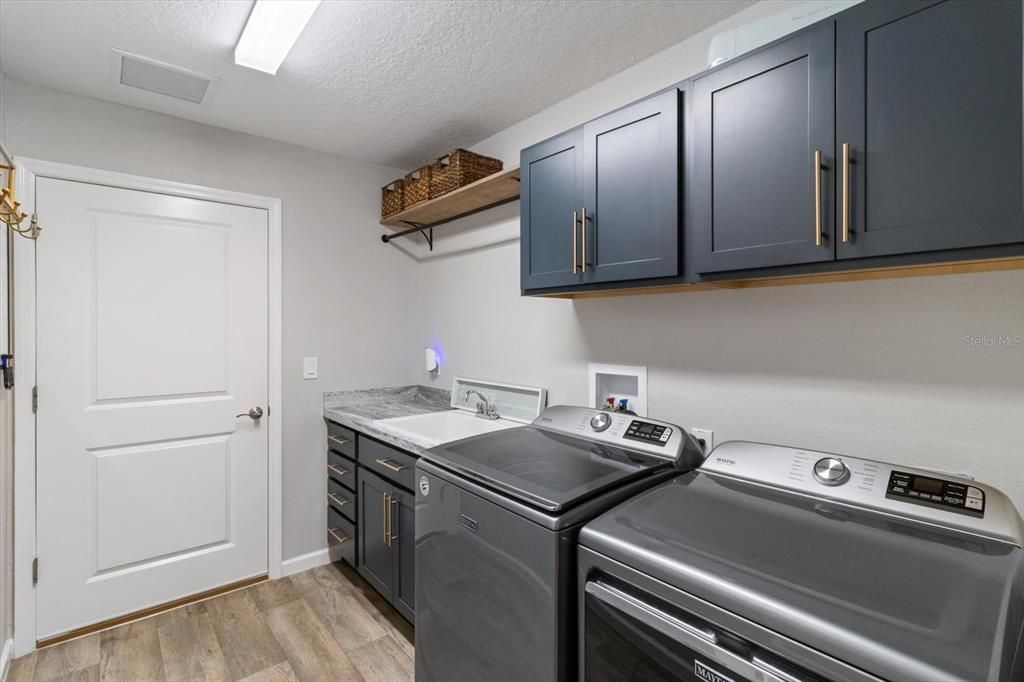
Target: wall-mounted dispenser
[(432, 361)]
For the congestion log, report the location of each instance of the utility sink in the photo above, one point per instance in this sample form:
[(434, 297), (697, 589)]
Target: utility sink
[(435, 428)]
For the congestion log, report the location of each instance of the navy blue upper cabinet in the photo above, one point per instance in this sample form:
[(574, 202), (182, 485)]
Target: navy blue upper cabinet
[(600, 203), (759, 196), (551, 200), (929, 103), (631, 192)]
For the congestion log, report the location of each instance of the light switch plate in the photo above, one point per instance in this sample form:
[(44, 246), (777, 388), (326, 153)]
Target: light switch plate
[(309, 368)]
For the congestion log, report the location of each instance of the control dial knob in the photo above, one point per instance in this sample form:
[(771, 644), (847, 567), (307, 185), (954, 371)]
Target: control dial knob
[(600, 421), (831, 471)]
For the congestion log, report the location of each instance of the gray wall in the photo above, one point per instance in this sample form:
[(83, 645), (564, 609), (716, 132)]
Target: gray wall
[(345, 294), (876, 369)]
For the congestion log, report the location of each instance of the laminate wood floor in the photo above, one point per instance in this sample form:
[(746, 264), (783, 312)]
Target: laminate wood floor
[(324, 624)]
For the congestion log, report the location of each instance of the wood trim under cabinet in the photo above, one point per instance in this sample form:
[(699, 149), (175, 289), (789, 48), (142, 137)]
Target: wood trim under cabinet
[(926, 270)]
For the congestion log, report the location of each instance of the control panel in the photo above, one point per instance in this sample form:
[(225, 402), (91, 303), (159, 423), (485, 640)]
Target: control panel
[(954, 495), (945, 500), (623, 430), (649, 432)]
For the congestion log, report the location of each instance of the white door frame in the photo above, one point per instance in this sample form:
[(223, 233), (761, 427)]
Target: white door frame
[(25, 371)]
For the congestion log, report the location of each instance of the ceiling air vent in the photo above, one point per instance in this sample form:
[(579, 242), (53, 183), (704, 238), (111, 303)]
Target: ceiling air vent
[(163, 79)]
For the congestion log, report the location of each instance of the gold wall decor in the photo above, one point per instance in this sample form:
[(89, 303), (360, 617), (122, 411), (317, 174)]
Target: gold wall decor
[(10, 208)]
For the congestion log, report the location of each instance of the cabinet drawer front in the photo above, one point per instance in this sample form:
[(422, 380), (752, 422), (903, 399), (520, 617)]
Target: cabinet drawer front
[(341, 470), (391, 463), (341, 440), (341, 537), (342, 499)]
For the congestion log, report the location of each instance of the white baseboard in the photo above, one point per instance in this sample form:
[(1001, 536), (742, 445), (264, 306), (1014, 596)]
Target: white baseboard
[(304, 562), (5, 659)]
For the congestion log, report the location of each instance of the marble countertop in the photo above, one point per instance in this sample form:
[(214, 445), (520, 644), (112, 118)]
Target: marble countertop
[(361, 410)]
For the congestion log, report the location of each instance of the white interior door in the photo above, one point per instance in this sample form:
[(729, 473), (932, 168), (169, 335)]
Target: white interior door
[(152, 336)]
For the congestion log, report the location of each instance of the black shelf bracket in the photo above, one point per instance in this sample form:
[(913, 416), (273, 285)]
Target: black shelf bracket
[(426, 230)]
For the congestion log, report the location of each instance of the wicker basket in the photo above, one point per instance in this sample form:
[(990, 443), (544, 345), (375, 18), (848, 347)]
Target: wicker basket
[(392, 198), (417, 186), (459, 168)]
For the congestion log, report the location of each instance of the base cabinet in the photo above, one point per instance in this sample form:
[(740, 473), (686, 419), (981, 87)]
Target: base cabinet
[(405, 546), (386, 540), (371, 515), (342, 517), (376, 562)]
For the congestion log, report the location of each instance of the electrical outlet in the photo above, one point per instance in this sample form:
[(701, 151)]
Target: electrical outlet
[(705, 435)]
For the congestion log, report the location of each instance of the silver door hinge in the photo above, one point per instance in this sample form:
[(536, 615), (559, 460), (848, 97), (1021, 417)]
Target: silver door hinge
[(35, 571), (35, 399)]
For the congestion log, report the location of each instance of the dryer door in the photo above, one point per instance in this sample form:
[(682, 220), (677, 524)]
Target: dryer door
[(627, 637)]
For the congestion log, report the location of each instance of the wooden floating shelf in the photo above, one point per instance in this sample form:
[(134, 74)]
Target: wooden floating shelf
[(485, 193)]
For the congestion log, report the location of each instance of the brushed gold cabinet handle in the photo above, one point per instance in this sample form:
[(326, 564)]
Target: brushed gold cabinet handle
[(388, 464), (386, 507), (340, 538), (340, 472), (575, 219), (391, 522), (340, 503), (846, 192), (583, 229), (817, 197), (339, 441)]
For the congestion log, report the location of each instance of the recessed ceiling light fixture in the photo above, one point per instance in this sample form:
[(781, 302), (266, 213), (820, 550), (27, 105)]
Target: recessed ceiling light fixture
[(271, 31)]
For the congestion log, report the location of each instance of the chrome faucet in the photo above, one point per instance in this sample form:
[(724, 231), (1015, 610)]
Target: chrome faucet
[(485, 409)]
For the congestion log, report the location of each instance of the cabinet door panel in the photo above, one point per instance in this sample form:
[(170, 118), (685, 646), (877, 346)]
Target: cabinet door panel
[(929, 100), (631, 191), (757, 123), (551, 176), (404, 546), (376, 563)]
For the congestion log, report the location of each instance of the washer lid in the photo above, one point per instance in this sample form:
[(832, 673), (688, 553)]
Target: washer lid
[(897, 598), (542, 468)]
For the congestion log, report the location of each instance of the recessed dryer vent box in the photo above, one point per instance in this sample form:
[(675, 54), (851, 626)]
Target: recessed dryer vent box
[(618, 381)]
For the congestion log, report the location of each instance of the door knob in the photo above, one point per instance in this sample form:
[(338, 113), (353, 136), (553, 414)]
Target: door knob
[(254, 413)]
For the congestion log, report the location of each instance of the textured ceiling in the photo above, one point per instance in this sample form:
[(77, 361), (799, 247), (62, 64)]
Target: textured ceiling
[(392, 82)]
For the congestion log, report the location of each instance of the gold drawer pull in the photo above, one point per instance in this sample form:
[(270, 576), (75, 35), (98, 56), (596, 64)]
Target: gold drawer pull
[(340, 503), (817, 197), (583, 231), (846, 192), (575, 220), (339, 441), (391, 523), (388, 464), (340, 472), (340, 538)]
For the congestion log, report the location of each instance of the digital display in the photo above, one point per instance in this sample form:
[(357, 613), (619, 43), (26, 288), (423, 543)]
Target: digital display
[(646, 428), (927, 485)]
